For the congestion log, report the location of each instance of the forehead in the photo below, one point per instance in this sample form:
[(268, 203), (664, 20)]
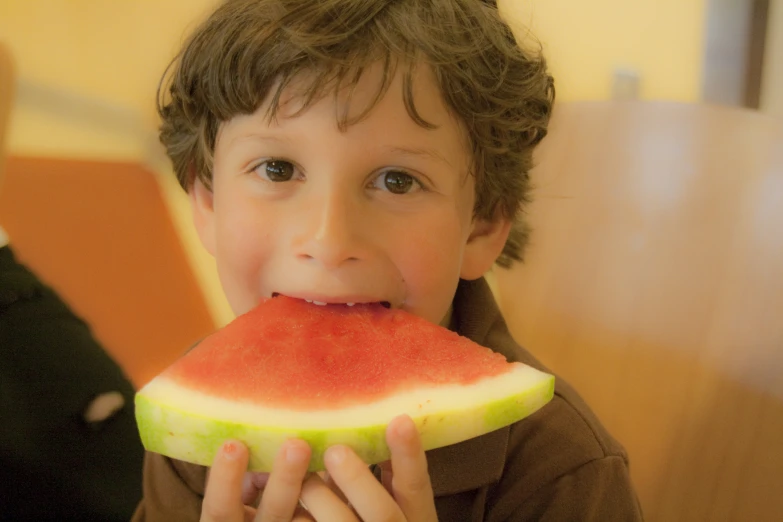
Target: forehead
[(374, 106)]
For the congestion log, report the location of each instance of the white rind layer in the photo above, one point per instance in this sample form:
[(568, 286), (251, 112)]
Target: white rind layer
[(189, 425), (423, 401)]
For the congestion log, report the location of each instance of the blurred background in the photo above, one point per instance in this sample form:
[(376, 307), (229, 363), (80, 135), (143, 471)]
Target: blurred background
[(90, 203), (83, 150)]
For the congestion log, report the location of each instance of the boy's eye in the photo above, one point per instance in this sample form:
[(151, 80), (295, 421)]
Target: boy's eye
[(276, 170), (397, 182)]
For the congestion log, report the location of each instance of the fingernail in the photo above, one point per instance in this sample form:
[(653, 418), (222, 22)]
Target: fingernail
[(230, 451), (335, 454), (405, 429), (295, 455)]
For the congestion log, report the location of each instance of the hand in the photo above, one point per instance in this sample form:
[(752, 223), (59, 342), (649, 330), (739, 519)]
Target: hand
[(229, 488), (350, 492)]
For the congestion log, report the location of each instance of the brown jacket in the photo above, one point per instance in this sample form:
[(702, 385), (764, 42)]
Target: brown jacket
[(559, 464)]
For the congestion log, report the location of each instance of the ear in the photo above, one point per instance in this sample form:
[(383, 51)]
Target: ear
[(202, 206), (485, 243)]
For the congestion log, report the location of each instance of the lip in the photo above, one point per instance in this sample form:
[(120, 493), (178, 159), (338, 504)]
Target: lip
[(342, 299)]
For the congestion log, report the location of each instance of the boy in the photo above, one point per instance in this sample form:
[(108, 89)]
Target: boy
[(375, 151)]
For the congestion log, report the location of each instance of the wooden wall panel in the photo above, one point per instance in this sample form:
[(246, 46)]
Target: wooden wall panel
[(654, 284)]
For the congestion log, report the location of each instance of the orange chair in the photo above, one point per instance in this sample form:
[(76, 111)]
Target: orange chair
[(654, 284)]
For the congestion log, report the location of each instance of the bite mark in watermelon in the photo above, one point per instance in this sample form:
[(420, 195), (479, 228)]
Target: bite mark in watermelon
[(331, 375)]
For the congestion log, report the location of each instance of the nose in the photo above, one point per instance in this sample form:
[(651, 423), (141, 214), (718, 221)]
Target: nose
[(331, 233)]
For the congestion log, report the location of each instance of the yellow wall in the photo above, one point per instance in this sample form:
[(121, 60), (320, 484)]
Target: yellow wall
[(116, 50), (586, 40), (83, 51)]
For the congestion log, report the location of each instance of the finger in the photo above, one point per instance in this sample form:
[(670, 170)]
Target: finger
[(410, 480), (323, 503), (250, 514), (386, 476), (301, 515), (222, 498), (359, 485), (333, 486), (252, 485), (281, 494)]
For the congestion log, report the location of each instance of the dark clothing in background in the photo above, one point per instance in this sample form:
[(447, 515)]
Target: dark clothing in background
[(54, 465)]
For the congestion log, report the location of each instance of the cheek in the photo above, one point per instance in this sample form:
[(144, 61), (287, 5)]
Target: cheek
[(243, 240), (437, 249), (430, 253), (242, 252)]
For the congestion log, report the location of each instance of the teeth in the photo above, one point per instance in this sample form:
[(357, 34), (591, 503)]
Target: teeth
[(309, 300), (350, 304), (319, 303)]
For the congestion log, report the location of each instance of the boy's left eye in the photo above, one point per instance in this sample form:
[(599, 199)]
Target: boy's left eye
[(397, 182)]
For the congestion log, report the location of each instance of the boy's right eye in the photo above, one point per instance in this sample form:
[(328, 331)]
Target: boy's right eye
[(276, 170)]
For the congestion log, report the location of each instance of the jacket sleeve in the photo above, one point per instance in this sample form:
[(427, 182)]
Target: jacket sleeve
[(173, 490), (598, 491), (562, 465)]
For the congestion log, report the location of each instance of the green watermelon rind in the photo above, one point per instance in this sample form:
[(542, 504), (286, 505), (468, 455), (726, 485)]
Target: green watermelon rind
[(190, 437)]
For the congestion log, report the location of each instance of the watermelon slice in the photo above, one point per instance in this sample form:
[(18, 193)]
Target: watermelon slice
[(333, 374)]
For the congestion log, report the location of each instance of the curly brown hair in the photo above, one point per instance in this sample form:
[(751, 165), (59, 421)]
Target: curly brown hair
[(246, 48)]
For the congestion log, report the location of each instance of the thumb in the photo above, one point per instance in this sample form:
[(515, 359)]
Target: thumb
[(252, 485)]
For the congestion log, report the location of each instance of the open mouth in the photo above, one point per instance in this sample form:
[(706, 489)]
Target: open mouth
[(337, 301)]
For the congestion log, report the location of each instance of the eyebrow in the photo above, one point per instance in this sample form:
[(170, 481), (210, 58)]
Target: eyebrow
[(427, 153), (403, 151), (252, 136)]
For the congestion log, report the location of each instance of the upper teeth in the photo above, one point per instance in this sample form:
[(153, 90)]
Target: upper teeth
[(321, 303)]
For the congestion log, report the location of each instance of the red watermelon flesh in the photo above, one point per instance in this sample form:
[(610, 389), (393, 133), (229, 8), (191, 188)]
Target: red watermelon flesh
[(331, 374), (354, 355)]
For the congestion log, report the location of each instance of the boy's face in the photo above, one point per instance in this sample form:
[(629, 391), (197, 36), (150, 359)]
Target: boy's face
[(379, 212)]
